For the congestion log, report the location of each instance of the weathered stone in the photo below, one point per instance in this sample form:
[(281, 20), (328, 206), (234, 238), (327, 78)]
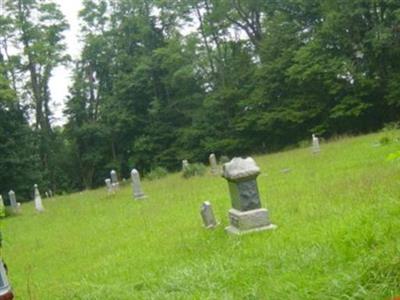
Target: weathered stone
[(239, 168), (51, 193), (207, 215), (249, 221), (38, 200), (13, 200), (185, 164), (46, 194), (246, 214), (114, 180), (110, 188), (315, 144), (213, 164), (136, 185)]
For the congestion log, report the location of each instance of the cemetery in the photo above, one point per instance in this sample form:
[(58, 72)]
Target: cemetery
[(199, 149), (334, 217)]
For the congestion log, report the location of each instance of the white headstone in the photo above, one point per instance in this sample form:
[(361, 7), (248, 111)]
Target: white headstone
[(185, 164), (51, 193), (136, 185), (109, 185), (47, 194), (207, 215), (315, 144), (213, 164), (114, 179), (13, 200), (38, 200)]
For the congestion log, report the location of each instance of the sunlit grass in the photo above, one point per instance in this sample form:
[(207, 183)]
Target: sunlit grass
[(338, 237)]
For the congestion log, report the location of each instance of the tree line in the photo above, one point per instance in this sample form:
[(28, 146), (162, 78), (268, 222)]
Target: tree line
[(159, 81)]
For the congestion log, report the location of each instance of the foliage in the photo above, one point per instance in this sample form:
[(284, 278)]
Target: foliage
[(157, 173), (224, 159), (384, 140), (195, 169), (394, 156)]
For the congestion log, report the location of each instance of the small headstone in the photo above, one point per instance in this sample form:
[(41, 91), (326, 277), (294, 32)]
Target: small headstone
[(246, 214), (110, 188), (114, 179), (315, 144), (207, 215), (185, 164), (51, 193), (213, 164), (47, 194), (136, 185), (38, 200), (13, 200)]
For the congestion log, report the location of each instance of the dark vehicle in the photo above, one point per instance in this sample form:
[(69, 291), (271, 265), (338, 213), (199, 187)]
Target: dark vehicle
[(5, 288)]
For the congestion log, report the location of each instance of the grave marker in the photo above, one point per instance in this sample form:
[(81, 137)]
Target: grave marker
[(136, 185), (13, 201), (38, 200), (213, 164), (315, 144), (207, 215), (246, 214)]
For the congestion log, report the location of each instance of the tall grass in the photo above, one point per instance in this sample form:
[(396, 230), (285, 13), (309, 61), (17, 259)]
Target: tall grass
[(338, 235)]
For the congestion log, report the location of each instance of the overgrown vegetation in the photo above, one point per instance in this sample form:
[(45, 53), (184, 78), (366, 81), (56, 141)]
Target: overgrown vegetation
[(194, 169), (337, 237), (162, 81)]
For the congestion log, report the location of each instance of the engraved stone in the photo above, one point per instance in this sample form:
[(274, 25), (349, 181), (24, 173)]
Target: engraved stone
[(207, 215), (136, 185), (246, 214)]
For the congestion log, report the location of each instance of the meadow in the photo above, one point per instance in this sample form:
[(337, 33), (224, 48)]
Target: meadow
[(338, 235)]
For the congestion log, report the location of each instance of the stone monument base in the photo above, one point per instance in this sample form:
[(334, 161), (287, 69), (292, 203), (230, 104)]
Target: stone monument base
[(243, 222)]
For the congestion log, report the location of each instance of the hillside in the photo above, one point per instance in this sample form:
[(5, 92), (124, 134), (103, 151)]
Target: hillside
[(338, 235)]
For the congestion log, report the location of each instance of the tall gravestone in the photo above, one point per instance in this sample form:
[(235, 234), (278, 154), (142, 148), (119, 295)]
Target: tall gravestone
[(213, 164), (13, 200), (110, 188), (38, 200), (114, 179), (207, 214), (246, 214), (315, 144), (136, 185)]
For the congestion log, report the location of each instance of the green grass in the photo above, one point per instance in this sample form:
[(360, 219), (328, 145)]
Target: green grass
[(338, 237)]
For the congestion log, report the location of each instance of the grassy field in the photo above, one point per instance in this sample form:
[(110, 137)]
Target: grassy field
[(338, 237)]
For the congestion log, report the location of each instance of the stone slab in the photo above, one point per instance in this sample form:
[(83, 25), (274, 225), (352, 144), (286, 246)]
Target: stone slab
[(248, 221)]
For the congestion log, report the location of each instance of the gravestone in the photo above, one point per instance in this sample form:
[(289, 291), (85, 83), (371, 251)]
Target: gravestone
[(47, 194), (213, 164), (207, 215), (110, 187), (51, 193), (136, 185), (185, 164), (246, 214), (315, 144), (114, 179), (38, 200), (13, 200)]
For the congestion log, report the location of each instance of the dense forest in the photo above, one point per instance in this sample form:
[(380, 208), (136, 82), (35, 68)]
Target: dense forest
[(159, 81)]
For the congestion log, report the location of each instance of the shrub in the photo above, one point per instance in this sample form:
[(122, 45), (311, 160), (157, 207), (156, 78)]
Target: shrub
[(194, 170), (384, 140), (157, 173)]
